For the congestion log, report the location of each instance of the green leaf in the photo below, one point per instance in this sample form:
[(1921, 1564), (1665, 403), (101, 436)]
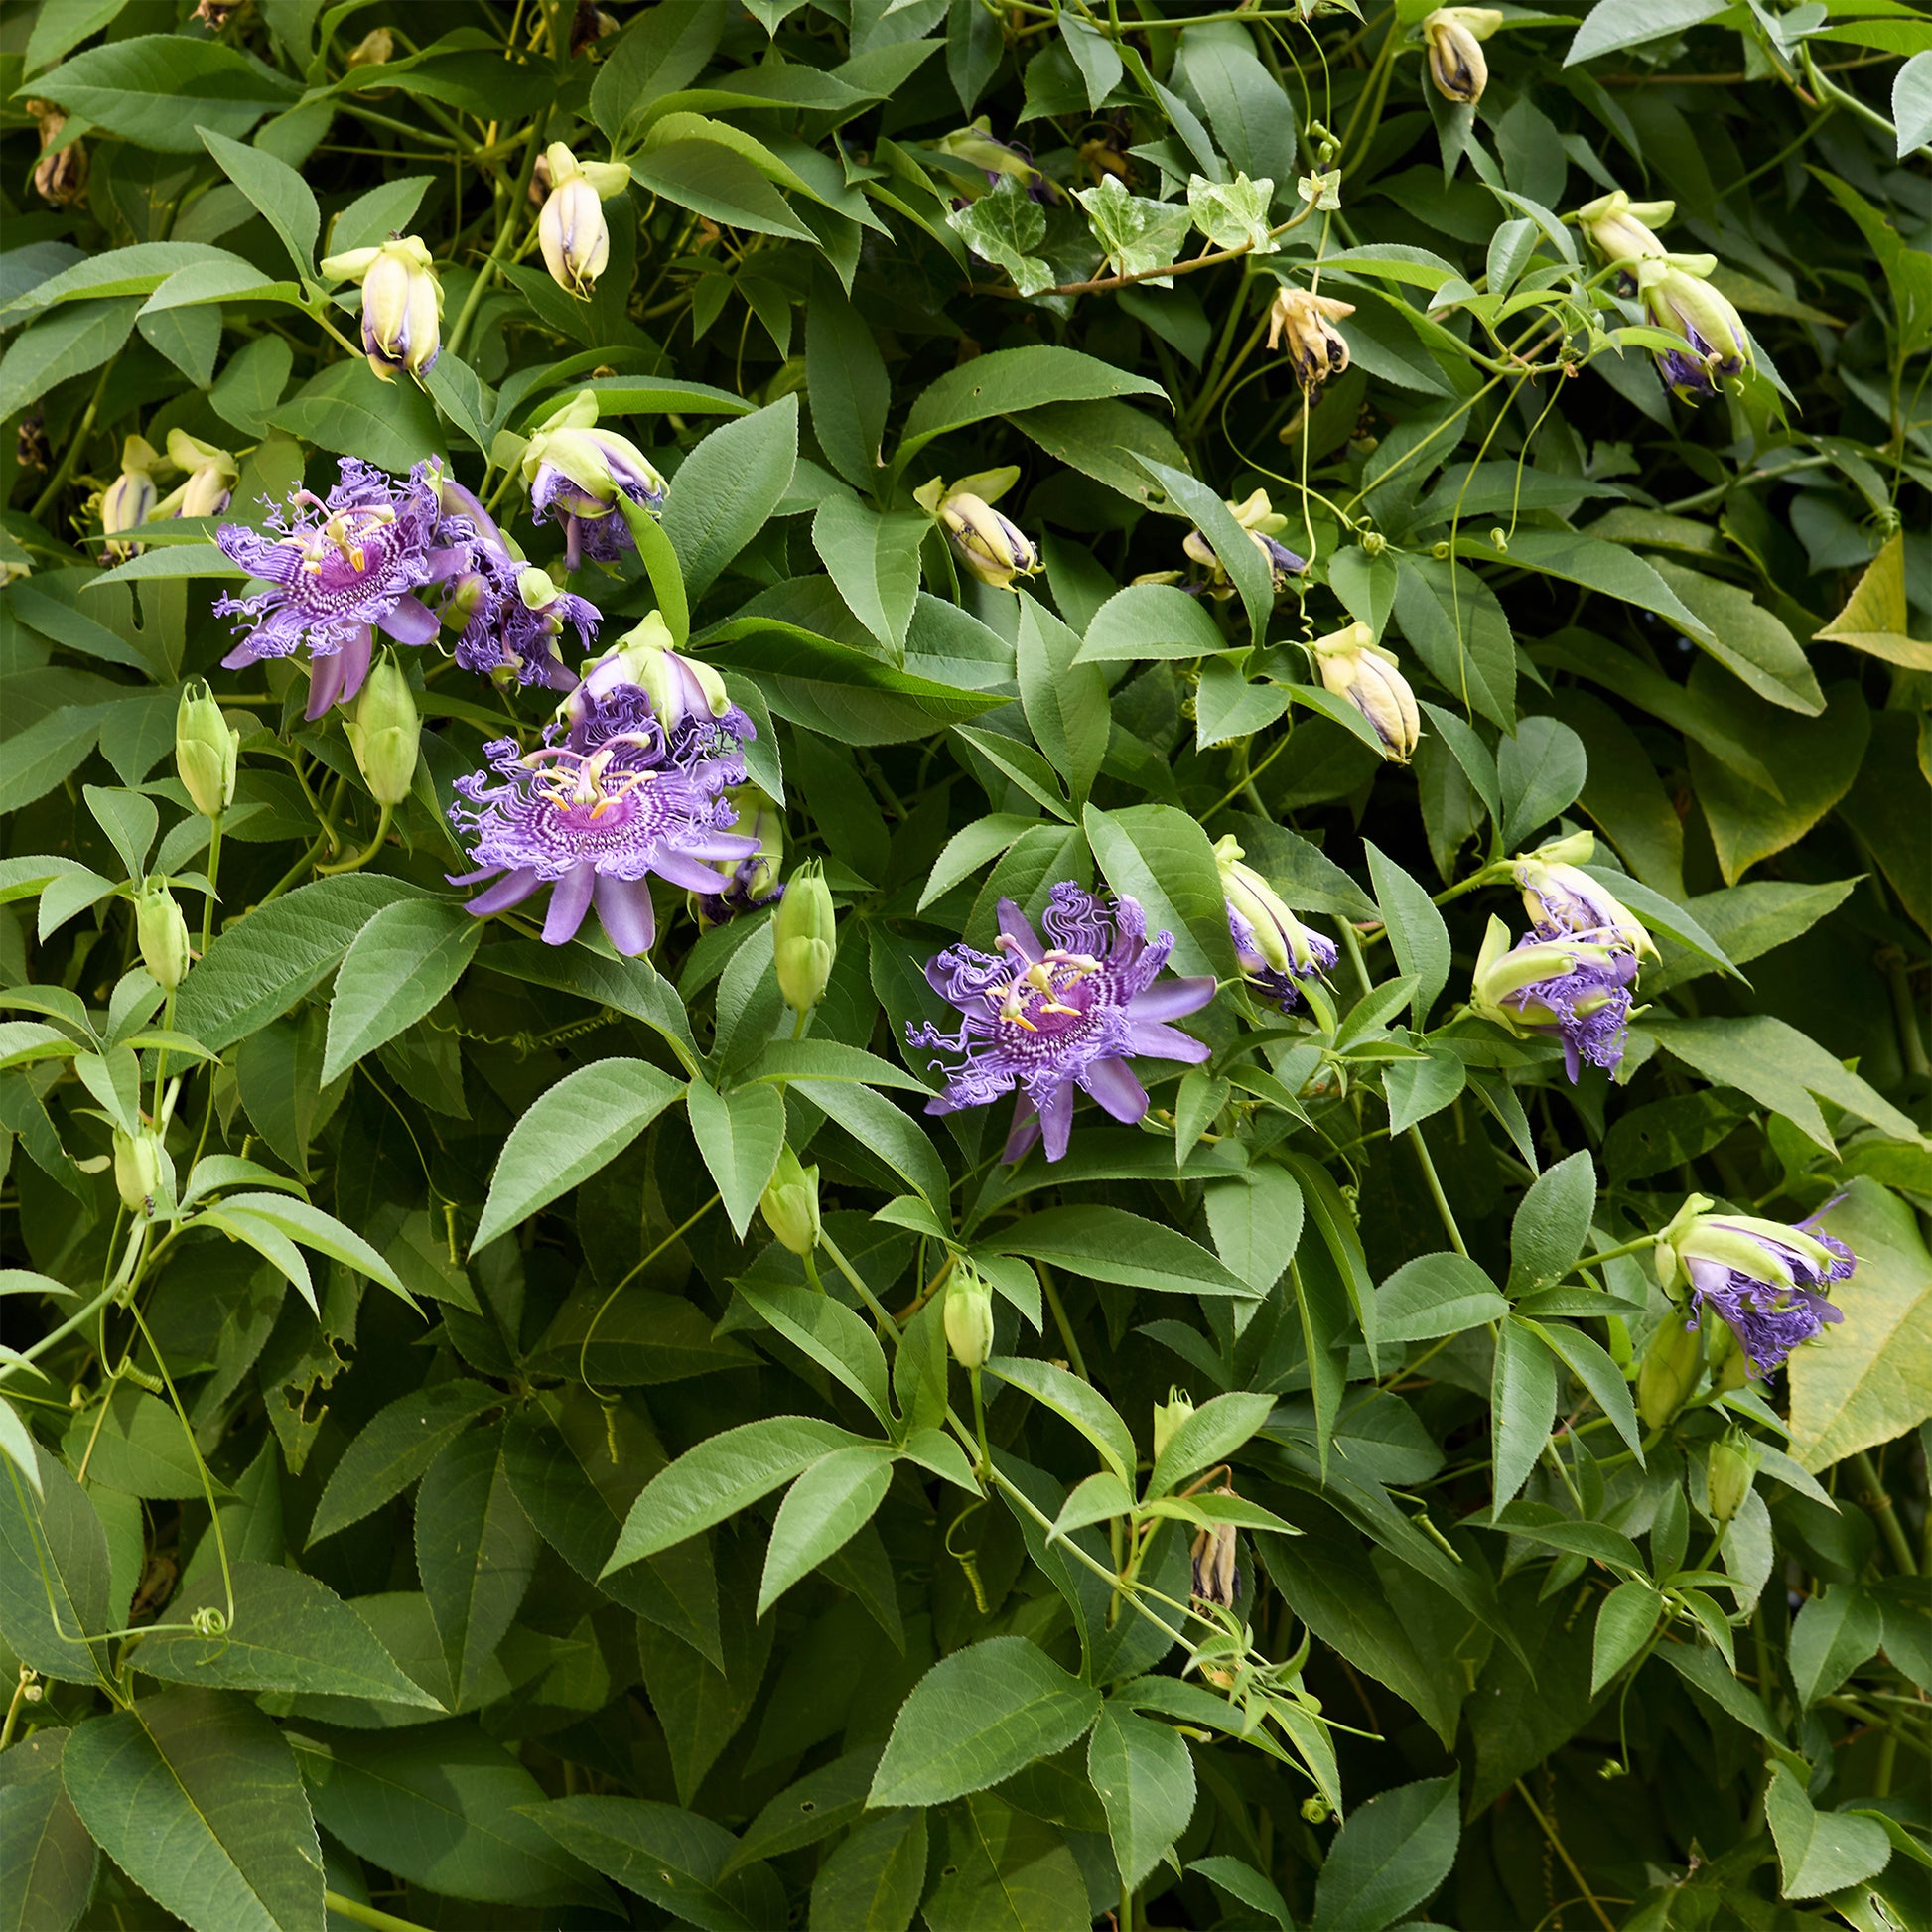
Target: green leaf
[(660, 561), (446, 1808), (1108, 1244), (1911, 103), (1591, 1365), (44, 1848), (1065, 701), (970, 849), (1436, 1295), (396, 970), (139, 1446), (1624, 1620), (159, 91), (53, 1573), (877, 1125), (1160, 857), (1135, 234), (348, 409), (741, 1135), (372, 217), (713, 179), (845, 375), (1551, 1224), (1746, 639), (1004, 1868), (298, 1221), (393, 1447), (1820, 1852), (1417, 935), (571, 1130), (1615, 24), (828, 1505), (1232, 215), (1541, 769), (289, 1632), (1457, 625), (257, 970), (1388, 1856), (194, 1795), (678, 1859), (1105, 440), (1868, 1379), (976, 1718), (727, 488), (1146, 1779), (1004, 227), (70, 342), (873, 560), (723, 1475), (1075, 1401), (1833, 1634), (1241, 1880), (1256, 1220), (1151, 621), (872, 1881), (836, 1338), (1523, 1402), (476, 1552), (1247, 568), (1010, 379), (1210, 1435), (284, 197)]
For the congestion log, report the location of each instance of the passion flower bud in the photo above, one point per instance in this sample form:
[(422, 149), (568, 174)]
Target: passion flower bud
[(678, 687), (1457, 65), (1728, 1473), (1572, 987), (986, 544), (129, 500), (1354, 666), (1669, 1371), (1275, 948), (1168, 1416), (571, 229), (1619, 230), (375, 49), (137, 1169), (789, 1203), (746, 885), (206, 750), (402, 304), (211, 473), (967, 1317), (574, 473), (803, 932), (385, 732), (1677, 297), (162, 935), (1263, 523), (1306, 322)]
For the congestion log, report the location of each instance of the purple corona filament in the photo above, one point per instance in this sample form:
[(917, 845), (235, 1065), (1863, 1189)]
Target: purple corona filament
[(1769, 1318), (1587, 1006), (1044, 1020)]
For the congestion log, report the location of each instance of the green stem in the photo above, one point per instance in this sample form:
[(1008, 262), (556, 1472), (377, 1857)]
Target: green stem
[(1879, 1506), (13, 1706), (520, 197), (214, 879), (1075, 1359), (1569, 1864), (1435, 1193), (369, 851), (353, 1908), (75, 444), (47, 1341)]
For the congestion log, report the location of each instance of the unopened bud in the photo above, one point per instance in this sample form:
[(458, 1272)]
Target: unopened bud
[(207, 749), (402, 304), (571, 229), (1456, 58), (1728, 1473), (137, 1169), (129, 500), (804, 939), (1168, 1416), (162, 935), (385, 731), (1354, 666), (1669, 1372), (968, 1316), (789, 1203)]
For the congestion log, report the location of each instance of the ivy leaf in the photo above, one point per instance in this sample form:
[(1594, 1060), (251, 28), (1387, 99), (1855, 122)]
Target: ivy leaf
[(1136, 234), (1003, 227), (1233, 214)]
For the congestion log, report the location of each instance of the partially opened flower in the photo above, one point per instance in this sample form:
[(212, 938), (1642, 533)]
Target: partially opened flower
[(1678, 297), (344, 567), (979, 147), (988, 546), (747, 885), (1306, 322), (571, 228), (593, 812), (1046, 1019), (210, 477), (1576, 989), (1457, 65), (1274, 947), (575, 471), (512, 626), (402, 304), (1352, 665), (1261, 520), (1561, 897), (1767, 1279), (681, 689)]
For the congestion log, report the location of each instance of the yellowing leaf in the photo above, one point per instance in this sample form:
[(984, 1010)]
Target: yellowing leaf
[(1874, 619)]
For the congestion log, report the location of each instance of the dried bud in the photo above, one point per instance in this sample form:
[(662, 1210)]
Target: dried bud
[(60, 174), (1669, 1372), (1168, 1416), (137, 1169), (1455, 61), (32, 451), (206, 750), (385, 731), (589, 25), (1306, 322), (1728, 1473), (969, 1317), (375, 49), (1216, 1580), (986, 545), (162, 935), (805, 936), (789, 1203), (1354, 666), (402, 304), (571, 229)]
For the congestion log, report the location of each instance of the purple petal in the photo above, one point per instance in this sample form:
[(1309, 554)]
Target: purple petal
[(570, 899), (409, 620), (624, 908), (1113, 1084), (1169, 999), (511, 890), (1152, 1040), (1056, 1119), (1016, 927), (683, 870), (1024, 1133)]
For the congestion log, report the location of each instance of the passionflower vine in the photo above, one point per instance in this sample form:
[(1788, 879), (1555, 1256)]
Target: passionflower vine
[(1766, 1278), (594, 810), (1576, 988), (1046, 1019), (1274, 947), (340, 569), (1561, 897), (574, 473)]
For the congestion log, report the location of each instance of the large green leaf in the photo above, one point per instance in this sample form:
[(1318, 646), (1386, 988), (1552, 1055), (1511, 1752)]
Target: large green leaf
[(1009, 380), (1388, 1856), (45, 1850), (53, 1573), (727, 488), (1160, 857), (1146, 1780), (741, 1135), (395, 971), (1108, 1244), (159, 91)]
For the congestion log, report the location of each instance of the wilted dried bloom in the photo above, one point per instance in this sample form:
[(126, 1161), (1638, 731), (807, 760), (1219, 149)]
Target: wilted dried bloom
[(1306, 322), (1259, 517), (1216, 1580), (1457, 65), (60, 174), (589, 25), (32, 451)]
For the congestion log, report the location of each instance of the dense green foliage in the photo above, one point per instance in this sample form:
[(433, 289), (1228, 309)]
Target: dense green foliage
[(513, 1421)]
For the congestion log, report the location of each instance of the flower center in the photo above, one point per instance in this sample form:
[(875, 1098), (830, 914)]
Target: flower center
[(1052, 996), (581, 785)]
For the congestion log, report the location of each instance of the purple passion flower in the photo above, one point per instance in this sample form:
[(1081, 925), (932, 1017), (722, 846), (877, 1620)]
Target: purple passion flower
[(1561, 897), (1574, 987), (594, 810), (342, 567), (1046, 1019), (1764, 1278), (1275, 948), (575, 473)]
